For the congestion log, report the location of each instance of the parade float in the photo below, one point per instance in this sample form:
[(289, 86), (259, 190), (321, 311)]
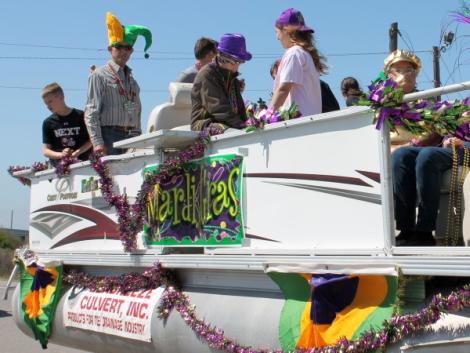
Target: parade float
[(278, 238)]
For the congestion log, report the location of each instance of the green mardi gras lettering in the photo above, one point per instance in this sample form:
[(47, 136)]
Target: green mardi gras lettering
[(165, 210), (194, 203), (233, 211)]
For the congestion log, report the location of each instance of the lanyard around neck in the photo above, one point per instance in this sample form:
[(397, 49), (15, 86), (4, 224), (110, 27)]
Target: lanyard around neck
[(122, 91)]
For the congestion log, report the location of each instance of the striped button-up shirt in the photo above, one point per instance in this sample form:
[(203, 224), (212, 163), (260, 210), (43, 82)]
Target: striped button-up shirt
[(107, 100)]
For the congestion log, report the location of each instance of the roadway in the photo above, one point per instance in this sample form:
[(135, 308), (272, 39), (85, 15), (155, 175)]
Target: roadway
[(12, 340)]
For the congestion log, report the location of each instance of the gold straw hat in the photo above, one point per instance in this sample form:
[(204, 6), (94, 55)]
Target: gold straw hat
[(402, 55)]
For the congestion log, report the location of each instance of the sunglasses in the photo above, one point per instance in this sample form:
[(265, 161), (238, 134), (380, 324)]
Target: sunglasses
[(234, 62), (122, 46), (403, 71)]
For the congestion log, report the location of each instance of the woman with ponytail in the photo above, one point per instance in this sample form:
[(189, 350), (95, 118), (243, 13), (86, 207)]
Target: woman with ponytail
[(298, 78), (351, 90)]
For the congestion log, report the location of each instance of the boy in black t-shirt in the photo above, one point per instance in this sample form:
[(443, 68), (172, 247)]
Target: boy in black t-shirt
[(64, 133)]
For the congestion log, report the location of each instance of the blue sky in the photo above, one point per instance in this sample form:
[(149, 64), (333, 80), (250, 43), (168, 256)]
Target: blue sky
[(37, 36)]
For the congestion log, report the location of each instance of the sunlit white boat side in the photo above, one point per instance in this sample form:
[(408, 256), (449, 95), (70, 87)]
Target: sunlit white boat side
[(316, 198)]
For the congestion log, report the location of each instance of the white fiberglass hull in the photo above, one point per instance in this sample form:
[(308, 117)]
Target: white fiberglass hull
[(247, 306)]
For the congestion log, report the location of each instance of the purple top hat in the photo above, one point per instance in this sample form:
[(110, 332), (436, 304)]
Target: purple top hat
[(294, 18), (234, 45)]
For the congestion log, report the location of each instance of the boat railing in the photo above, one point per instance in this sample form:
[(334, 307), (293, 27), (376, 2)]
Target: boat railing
[(437, 260)]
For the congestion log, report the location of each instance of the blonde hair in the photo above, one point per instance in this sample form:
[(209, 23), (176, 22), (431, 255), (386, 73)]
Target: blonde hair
[(306, 41), (52, 88)]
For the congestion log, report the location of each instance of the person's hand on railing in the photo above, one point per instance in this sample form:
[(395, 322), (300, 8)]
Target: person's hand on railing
[(100, 149)]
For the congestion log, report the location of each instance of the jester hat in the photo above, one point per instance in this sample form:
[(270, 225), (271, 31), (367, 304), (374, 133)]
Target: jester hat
[(119, 34)]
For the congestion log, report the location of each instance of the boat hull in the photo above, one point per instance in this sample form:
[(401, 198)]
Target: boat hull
[(247, 305)]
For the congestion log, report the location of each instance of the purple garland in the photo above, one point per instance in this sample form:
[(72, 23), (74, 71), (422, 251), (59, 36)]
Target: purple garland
[(17, 168), (40, 166), (36, 167), (258, 115), (130, 218), (419, 118), (151, 278), (395, 329), (62, 169), (63, 166)]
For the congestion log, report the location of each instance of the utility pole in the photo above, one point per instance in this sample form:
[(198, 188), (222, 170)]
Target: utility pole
[(11, 219), (436, 54), (393, 37)]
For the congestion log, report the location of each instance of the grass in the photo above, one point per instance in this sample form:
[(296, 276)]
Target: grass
[(8, 244), (6, 263)]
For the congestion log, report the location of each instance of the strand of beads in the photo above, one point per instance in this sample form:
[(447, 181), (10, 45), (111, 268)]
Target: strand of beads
[(450, 227), (457, 239)]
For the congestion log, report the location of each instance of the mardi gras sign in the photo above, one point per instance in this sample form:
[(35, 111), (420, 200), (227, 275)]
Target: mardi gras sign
[(199, 206)]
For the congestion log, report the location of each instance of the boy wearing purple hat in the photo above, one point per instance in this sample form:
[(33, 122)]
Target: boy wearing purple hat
[(298, 78), (216, 98)]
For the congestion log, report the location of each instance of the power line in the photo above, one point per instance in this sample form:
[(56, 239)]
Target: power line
[(46, 46), (58, 58), (407, 40), (258, 55), (76, 58), (66, 89), (372, 53), (84, 89), (80, 58), (449, 74), (50, 46), (409, 44)]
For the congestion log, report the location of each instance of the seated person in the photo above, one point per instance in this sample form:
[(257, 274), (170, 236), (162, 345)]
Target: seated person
[(417, 176), (417, 167), (216, 98), (328, 99), (351, 90), (64, 133), (403, 67), (205, 50)]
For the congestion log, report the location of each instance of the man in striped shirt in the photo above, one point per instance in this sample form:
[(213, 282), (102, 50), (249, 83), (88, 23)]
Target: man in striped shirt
[(113, 105)]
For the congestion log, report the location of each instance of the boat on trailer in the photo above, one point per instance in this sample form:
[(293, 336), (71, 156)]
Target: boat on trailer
[(313, 195)]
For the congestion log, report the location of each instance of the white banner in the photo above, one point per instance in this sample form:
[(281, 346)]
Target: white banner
[(126, 315)]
